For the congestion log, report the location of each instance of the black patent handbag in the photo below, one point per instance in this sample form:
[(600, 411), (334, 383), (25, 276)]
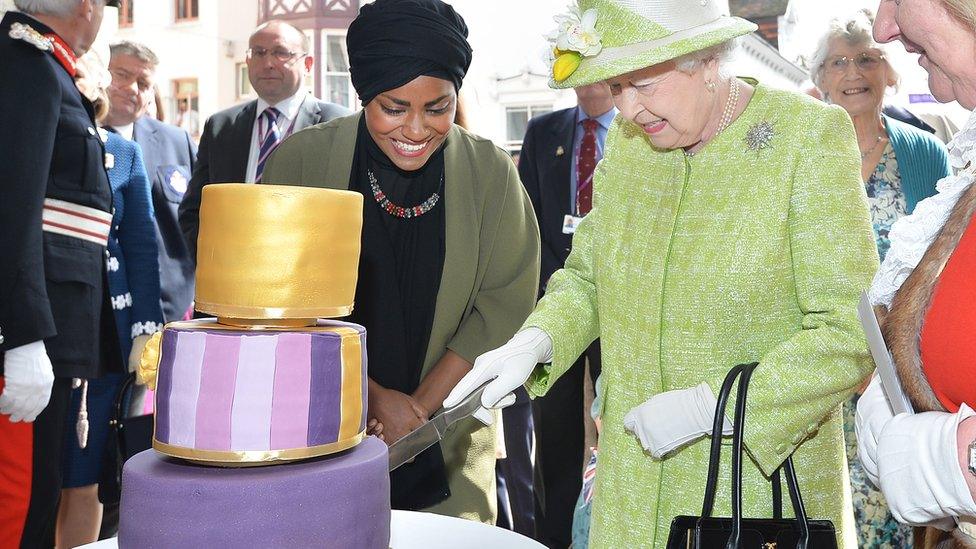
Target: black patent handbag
[(127, 437), (736, 532)]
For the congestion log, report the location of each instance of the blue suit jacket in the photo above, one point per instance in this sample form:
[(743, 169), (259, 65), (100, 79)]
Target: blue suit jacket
[(544, 167), (169, 155)]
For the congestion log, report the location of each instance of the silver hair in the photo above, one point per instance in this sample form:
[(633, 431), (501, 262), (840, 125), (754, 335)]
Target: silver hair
[(856, 30), (137, 50), (54, 8), (722, 53)]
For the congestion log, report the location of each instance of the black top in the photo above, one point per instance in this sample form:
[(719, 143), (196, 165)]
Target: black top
[(399, 274)]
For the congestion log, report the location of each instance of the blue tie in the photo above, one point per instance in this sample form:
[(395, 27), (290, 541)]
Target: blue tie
[(270, 137)]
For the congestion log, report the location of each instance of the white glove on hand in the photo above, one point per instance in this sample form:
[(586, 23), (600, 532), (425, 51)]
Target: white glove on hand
[(873, 413), (919, 467), (27, 380), (672, 419), (138, 344), (509, 366)]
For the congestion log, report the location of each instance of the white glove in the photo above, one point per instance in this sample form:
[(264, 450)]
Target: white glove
[(919, 469), (27, 380), (873, 413), (672, 419), (138, 344), (509, 366)]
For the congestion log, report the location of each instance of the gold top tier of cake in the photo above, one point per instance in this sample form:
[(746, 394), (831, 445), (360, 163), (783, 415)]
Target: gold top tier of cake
[(277, 255)]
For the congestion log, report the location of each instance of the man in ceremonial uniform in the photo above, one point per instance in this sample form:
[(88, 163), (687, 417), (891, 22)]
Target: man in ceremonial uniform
[(54, 224)]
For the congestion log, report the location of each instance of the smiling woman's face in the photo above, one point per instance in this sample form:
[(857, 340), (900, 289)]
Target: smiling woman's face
[(946, 45), (855, 77), (411, 122)]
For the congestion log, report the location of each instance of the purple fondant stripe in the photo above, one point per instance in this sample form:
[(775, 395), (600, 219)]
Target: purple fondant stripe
[(251, 423), (289, 406), (217, 382), (164, 385), (186, 388), (324, 397)]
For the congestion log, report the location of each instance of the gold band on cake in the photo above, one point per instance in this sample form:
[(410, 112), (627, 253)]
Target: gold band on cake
[(257, 457)]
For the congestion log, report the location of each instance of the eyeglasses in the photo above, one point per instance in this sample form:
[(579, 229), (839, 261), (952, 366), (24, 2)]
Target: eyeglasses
[(281, 54), (865, 62)]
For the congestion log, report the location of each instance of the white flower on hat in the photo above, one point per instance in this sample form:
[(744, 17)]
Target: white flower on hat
[(577, 33)]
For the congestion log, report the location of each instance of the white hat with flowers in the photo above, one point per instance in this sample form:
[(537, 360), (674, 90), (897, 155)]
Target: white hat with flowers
[(600, 39)]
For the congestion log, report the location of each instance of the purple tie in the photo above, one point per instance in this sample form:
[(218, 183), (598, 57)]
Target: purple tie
[(270, 137)]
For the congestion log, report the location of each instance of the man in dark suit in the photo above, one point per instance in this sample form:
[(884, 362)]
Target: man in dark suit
[(236, 141), (559, 153), (168, 153), (56, 319)]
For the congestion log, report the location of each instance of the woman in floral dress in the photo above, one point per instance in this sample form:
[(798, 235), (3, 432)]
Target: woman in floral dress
[(900, 165)]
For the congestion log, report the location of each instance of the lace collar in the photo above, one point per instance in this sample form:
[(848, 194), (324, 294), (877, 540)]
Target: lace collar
[(912, 235)]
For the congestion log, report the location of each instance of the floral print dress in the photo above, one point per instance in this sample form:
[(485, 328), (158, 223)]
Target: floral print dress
[(875, 526)]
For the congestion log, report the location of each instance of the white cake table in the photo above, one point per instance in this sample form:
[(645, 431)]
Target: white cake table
[(413, 530)]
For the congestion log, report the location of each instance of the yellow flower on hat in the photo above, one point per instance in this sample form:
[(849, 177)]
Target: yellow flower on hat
[(574, 38)]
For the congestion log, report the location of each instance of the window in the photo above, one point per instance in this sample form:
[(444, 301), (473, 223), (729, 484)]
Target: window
[(125, 13), (337, 85), (244, 88), (187, 109), (186, 10), (517, 120)]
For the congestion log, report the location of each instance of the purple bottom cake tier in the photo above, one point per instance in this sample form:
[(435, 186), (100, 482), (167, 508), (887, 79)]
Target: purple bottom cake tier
[(338, 501)]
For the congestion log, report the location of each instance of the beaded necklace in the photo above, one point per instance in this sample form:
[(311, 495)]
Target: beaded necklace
[(728, 111), (400, 211)]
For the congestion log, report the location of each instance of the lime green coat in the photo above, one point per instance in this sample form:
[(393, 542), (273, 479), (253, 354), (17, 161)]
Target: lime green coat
[(689, 265), (488, 285)]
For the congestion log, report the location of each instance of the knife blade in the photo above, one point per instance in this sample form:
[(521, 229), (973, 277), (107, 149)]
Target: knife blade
[(433, 431)]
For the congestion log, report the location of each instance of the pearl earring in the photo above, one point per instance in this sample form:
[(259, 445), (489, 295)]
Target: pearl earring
[(710, 86)]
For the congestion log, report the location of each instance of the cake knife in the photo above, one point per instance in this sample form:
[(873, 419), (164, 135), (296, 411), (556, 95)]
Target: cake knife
[(433, 431)]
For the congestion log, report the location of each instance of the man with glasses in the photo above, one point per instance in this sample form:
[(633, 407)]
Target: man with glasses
[(237, 141), (168, 153)]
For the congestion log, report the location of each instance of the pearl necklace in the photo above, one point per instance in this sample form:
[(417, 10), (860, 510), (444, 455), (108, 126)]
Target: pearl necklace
[(730, 105), (727, 112)]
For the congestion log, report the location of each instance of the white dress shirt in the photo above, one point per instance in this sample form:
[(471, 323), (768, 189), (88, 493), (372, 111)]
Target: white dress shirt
[(289, 110), (125, 131)]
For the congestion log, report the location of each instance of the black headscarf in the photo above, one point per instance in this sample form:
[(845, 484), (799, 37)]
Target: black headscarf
[(392, 42)]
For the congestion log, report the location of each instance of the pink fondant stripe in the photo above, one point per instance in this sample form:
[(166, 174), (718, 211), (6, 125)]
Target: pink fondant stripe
[(289, 407), (186, 388), (251, 418), (217, 382)]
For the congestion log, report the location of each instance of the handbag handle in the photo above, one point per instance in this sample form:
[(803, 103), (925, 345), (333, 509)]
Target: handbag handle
[(745, 371)]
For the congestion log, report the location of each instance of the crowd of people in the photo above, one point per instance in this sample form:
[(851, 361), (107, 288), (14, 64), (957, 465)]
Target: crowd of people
[(678, 221)]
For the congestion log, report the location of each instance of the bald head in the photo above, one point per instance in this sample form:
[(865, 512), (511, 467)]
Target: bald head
[(285, 30)]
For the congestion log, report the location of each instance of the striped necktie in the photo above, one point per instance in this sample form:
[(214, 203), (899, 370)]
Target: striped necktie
[(270, 137)]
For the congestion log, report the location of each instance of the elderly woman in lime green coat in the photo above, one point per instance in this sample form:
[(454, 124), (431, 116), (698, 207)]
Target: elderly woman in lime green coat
[(730, 225)]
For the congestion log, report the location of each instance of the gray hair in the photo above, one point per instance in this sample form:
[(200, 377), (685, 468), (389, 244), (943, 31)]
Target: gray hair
[(856, 30), (306, 44), (54, 8), (137, 50), (721, 53)]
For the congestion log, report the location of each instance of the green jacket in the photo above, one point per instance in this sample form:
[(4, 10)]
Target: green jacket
[(687, 266), (488, 285)]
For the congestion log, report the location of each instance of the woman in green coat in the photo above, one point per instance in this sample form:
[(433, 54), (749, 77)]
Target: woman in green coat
[(729, 225), (450, 246)]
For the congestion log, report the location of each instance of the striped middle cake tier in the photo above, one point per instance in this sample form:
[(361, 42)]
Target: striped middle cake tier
[(234, 396)]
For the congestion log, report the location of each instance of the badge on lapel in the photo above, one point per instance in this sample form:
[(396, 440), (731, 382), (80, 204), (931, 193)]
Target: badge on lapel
[(174, 181), (560, 151)]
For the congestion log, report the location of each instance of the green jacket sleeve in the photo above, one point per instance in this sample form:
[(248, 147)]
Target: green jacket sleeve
[(802, 380), (510, 251), (568, 311), (284, 166)]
